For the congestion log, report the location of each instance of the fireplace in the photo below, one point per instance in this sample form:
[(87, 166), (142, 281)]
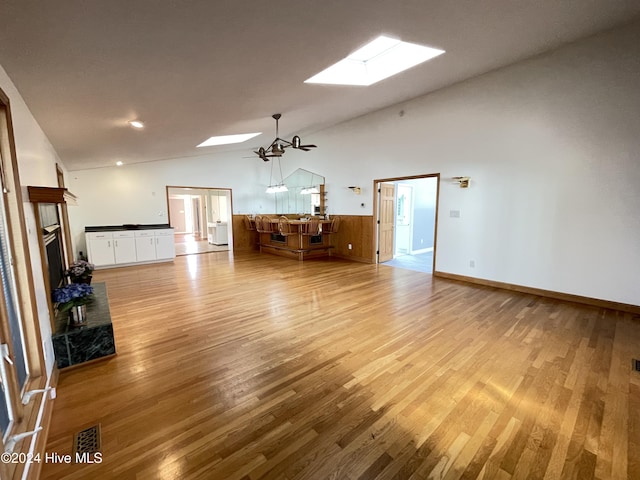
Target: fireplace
[(54, 261)]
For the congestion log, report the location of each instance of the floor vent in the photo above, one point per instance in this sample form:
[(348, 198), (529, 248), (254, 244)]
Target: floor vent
[(87, 441), (636, 365)]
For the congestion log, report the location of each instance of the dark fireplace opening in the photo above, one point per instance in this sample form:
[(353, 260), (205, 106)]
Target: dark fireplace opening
[(55, 265)]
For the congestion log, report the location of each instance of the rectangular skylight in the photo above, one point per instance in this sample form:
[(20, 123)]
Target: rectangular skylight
[(227, 139), (377, 60)]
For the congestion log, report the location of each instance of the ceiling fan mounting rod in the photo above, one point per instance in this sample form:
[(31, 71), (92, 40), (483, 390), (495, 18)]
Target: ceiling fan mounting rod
[(276, 117)]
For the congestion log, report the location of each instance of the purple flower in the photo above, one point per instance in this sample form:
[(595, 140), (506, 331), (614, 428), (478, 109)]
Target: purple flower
[(72, 295), (81, 268)]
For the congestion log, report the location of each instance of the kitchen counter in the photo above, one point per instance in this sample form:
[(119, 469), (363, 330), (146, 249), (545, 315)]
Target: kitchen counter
[(127, 226)]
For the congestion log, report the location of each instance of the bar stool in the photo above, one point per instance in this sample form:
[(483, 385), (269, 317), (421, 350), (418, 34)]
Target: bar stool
[(311, 226), (284, 227), (249, 223), (333, 226), (267, 224)]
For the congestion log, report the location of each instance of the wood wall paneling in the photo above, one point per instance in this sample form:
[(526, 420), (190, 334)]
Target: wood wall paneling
[(243, 239), (356, 230)]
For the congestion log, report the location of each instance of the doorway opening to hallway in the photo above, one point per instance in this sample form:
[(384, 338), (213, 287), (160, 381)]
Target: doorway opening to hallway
[(201, 218), (406, 221)]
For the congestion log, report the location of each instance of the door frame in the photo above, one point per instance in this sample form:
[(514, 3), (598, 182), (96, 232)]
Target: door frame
[(376, 213), (205, 227)]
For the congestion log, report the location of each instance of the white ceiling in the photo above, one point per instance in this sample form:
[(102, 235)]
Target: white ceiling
[(193, 69)]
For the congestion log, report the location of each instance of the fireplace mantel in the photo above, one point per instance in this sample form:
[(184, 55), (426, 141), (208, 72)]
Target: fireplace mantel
[(51, 195)]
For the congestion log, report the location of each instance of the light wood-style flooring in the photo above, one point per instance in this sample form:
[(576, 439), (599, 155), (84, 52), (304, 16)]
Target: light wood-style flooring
[(251, 366)]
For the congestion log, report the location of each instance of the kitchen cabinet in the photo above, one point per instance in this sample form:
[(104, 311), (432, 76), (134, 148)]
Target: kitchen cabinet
[(165, 244), (145, 245), (124, 247), (129, 246), (217, 233), (100, 248)]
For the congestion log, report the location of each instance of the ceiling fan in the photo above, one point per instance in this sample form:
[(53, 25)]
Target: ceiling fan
[(276, 149)]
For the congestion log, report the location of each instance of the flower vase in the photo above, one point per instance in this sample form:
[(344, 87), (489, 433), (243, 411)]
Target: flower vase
[(78, 314)]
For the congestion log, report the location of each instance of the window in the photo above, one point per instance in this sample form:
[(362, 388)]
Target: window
[(21, 356)]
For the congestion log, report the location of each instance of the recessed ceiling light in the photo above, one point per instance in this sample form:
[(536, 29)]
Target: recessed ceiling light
[(227, 139), (377, 60), (136, 124), (119, 163)]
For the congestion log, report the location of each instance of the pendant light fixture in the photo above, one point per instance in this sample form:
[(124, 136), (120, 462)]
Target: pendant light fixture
[(279, 187)]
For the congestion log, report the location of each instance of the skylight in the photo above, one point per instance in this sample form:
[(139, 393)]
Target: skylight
[(227, 139), (377, 60)]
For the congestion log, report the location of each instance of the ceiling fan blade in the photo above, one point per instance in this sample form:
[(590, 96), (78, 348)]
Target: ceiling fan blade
[(262, 153), (296, 143), (306, 148)]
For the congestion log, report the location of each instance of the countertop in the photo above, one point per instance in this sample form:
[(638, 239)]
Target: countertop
[(127, 226)]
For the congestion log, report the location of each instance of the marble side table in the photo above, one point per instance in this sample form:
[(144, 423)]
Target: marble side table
[(77, 344)]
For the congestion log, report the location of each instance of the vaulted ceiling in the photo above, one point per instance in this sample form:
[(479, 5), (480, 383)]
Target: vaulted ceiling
[(193, 69)]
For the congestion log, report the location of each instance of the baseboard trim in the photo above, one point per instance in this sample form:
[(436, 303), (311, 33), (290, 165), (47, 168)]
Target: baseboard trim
[(568, 297)]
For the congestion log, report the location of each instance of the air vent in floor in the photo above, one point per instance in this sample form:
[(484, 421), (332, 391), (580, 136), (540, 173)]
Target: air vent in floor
[(87, 441)]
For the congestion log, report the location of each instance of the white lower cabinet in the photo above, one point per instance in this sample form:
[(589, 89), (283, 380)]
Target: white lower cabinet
[(130, 246), (145, 245), (100, 248), (165, 244), (124, 247)]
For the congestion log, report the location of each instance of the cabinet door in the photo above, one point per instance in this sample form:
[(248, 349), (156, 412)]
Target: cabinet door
[(125, 249), (101, 251), (165, 247), (145, 248)]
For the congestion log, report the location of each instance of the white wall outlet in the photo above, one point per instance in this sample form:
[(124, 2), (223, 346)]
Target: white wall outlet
[(350, 247), (454, 213), (472, 263)]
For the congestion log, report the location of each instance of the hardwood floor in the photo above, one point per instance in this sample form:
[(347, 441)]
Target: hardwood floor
[(260, 367)]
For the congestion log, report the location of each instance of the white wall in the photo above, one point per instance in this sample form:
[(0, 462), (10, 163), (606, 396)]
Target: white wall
[(36, 166), (137, 193), (552, 146)]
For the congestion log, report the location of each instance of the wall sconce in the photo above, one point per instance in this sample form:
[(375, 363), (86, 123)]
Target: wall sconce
[(462, 181), (356, 190)]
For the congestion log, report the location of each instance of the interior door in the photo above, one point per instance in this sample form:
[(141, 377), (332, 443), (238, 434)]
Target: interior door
[(387, 221)]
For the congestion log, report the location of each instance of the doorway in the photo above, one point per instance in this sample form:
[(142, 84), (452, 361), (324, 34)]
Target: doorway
[(201, 218), (406, 221)]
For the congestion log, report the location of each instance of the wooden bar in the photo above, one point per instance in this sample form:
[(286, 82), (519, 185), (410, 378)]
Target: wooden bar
[(297, 245)]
